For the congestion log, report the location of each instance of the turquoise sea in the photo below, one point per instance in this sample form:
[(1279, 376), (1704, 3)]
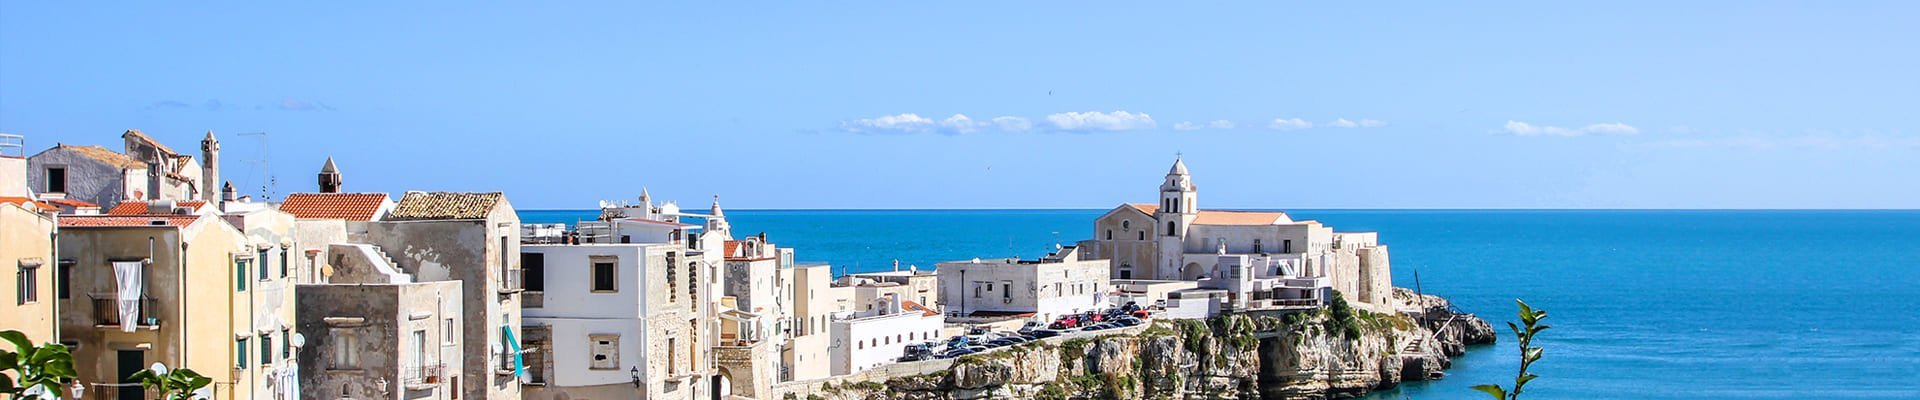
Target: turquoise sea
[(1644, 304)]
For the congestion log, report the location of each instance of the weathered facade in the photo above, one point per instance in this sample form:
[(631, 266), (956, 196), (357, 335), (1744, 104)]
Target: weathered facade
[(393, 341), (27, 261), (612, 312), (473, 238), (238, 335)]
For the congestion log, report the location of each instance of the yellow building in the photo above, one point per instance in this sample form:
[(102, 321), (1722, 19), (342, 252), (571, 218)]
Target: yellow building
[(204, 291), (26, 255)]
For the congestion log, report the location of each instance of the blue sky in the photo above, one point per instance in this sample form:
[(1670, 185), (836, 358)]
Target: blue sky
[(1692, 104)]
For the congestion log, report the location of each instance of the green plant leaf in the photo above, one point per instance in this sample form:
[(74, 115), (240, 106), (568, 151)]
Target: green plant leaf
[(8, 360), (19, 340), (61, 368), (1494, 390), (6, 386)]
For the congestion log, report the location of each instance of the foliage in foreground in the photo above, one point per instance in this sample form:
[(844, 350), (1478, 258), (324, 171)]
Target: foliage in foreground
[(33, 372), (1528, 352)]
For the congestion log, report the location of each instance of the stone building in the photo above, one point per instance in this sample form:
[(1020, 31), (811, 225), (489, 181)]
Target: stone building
[(1262, 259), (140, 290), (472, 238), (985, 290), (374, 333), (924, 284), (330, 216), (146, 170)]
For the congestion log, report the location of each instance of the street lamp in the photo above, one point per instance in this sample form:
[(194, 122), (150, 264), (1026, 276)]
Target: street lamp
[(635, 372)]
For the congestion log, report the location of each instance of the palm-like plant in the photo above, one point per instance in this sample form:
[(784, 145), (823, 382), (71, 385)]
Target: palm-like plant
[(1529, 353), (34, 371), (177, 384)]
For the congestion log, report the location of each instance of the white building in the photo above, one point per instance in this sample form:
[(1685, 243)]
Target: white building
[(991, 289), (1263, 259), (608, 313), (863, 340)]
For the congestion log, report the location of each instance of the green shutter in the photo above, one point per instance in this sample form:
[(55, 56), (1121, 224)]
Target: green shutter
[(519, 363)]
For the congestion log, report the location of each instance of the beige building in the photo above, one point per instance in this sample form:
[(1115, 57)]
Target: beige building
[(1263, 259), (26, 258), (181, 289)]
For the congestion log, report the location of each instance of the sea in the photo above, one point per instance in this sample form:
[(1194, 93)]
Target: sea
[(1643, 304)]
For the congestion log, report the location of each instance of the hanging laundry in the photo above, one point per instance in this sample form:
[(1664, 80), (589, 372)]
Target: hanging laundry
[(127, 275)]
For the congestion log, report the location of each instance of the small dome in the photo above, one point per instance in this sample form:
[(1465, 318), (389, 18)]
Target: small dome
[(1179, 167)]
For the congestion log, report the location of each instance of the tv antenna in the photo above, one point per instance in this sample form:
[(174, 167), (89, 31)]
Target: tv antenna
[(267, 183)]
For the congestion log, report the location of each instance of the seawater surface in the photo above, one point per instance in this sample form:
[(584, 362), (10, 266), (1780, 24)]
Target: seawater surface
[(1644, 304)]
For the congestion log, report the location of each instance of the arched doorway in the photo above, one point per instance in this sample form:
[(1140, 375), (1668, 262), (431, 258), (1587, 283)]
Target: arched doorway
[(723, 384), (1192, 272)]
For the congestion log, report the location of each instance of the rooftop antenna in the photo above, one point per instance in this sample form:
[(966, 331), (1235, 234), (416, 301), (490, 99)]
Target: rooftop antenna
[(268, 184)]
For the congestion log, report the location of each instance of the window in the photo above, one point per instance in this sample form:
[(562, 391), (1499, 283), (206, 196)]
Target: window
[(266, 349), (1126, 224), (57, 180), (1006, 290), (1143, 235), (1169, 228), (286, 344), (672, 278), (263, 264), (606, 351), (603, 277), (346, 354), (1256, 246), (65, 281), (283, 263), (1286, 246), (1109, 234), (419, 347), (240, 352), (673, 355), (447, 332), (534, 266), (240, 275), (29, 289)]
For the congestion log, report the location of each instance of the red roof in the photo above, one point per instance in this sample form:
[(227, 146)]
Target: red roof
[(27, 201), (910, 305), (140, 207), (71, 203), (124, 221), (347, 206)]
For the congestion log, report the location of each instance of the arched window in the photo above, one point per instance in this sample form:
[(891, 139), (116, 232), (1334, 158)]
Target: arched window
[(1143, 235), (1109, 234), (1169, 228), (1256, 246)]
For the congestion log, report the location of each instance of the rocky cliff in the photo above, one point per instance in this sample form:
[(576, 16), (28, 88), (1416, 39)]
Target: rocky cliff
[(1332, 352)]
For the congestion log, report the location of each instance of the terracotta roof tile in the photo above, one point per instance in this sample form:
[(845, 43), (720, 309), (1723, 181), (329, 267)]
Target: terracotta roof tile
[(71, 203), (28, 202), (1145, 208), (924, 310), (1215, 217), (140, 207), (445, 205), (124, 221), (347, 206)]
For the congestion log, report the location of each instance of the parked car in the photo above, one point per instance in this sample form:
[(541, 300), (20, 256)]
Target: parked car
[(1068, 321), (1002, 342), (1045, 333), (1128, 321), (956, 353), (918, 352), (1030, 326)]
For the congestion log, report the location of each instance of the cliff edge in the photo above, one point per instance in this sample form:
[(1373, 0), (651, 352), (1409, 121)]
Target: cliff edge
[(1331, 352)]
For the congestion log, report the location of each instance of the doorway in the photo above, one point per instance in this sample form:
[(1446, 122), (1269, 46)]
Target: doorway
[(131, 362)]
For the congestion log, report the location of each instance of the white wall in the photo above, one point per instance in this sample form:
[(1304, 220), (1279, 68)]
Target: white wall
[(569, 281), (572, 351), (863, 343)]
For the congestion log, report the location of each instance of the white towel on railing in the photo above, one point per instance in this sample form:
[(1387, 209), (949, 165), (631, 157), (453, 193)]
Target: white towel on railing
[(127, 275)]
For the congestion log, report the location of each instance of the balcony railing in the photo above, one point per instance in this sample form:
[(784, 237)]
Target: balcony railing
[(106, 312), (123, 391), (513, 281), (423, 375)]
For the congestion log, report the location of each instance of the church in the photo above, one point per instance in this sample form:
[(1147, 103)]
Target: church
[(1262, 259)]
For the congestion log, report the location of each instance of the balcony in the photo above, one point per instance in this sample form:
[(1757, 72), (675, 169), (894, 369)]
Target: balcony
[(106, 313), (423, 377), (513, 281)]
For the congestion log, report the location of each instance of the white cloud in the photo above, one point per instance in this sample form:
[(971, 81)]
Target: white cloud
[(1518, 128), (1100, 121), (1215, 124), (1343, 123), (959, 123), (1012, 124), (897, 123), (1287, 124)]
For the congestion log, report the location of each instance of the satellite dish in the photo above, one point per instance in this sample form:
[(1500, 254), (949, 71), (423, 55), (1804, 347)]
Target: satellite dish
[(298, 340), (158, 369)]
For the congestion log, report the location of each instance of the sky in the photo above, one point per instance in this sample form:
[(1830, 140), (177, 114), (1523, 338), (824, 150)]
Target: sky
[(1696, 104)]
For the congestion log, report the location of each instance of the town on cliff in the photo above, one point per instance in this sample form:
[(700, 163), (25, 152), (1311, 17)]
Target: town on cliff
[(142, 255)]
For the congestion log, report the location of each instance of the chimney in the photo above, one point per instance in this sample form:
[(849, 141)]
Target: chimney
[(227, 194)]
